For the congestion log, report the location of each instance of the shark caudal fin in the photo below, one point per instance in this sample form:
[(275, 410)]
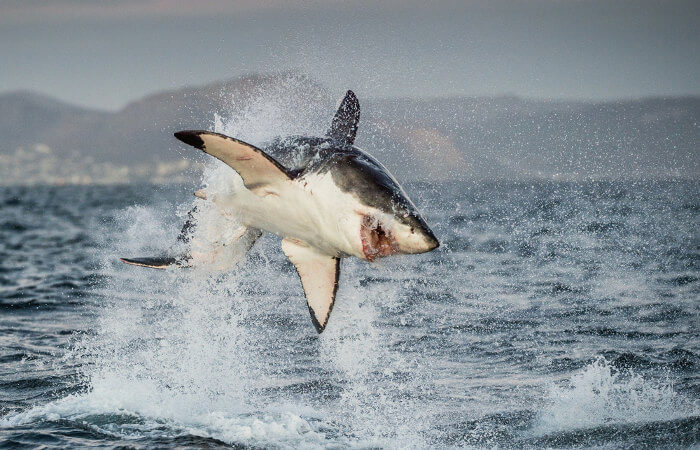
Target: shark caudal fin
[(163, 262), (347, 117), (157, 262), (319, 275), (238, 243)]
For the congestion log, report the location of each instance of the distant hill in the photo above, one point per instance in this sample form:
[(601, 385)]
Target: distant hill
[(44, 140)]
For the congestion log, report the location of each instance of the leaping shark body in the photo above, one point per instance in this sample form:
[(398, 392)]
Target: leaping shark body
[(325, 198)]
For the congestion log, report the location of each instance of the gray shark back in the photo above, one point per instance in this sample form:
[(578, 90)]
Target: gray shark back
[(297, 153), (353, 170)]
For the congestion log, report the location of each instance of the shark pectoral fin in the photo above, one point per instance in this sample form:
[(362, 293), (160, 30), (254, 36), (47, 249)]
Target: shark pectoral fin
[(319, 275), (157, 262), (259, 170), (344, 125)]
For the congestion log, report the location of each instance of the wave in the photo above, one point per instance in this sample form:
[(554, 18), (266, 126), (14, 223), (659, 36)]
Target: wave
[(601, 395), (134, 411)]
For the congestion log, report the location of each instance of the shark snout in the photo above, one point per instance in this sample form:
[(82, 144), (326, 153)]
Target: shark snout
[(416, 239), (383, 238), (430, 241)]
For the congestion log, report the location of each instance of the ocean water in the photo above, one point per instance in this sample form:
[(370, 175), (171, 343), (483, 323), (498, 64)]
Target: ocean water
[(553, 315)]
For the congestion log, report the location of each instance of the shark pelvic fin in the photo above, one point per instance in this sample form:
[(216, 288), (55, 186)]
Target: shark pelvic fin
[(319, 275), (344, 125), (260, 171)]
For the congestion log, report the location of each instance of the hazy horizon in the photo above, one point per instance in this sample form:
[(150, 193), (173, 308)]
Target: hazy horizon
[(86, 53), (340, 91)]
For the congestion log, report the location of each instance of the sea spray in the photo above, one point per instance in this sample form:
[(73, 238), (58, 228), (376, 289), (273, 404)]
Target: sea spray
[(380, 383), (601, 394), (282, 109), (180, 348)]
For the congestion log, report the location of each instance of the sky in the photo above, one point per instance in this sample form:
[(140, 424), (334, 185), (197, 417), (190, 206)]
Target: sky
[(105, 54)]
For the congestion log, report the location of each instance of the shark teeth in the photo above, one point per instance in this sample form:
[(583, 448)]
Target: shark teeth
[(377, 239)]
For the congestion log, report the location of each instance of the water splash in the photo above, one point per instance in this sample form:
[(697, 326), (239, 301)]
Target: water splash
[(282, 109), (198, 352), (380, 383), (602, 395), (176, 353)]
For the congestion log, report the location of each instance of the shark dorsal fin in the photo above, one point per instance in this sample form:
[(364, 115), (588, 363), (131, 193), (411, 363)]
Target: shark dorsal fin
[(319, 275), (344, 125), (259, 170)]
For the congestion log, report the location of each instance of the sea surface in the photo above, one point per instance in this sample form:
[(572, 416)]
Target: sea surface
[(553, 315)]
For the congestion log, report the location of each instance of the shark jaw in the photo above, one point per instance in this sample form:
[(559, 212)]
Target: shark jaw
[(377, 240), (386, 236)]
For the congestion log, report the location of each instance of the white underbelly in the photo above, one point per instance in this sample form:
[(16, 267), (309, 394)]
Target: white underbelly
[(313, 211)]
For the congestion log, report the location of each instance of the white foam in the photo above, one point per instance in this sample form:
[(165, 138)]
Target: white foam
[(139, 410), (602, 395)]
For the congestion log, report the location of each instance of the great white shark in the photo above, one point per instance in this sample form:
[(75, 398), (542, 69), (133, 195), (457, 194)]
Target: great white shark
[(326, 198)]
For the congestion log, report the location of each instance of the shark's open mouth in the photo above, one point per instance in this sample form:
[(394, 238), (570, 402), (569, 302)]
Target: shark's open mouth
[(377, 241)]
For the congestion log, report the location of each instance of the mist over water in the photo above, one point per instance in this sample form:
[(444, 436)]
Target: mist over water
[(553, 314)]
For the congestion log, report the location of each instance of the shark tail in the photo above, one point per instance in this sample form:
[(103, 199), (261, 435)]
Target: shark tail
[(163, 262), (243, 240), (157, 262)]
